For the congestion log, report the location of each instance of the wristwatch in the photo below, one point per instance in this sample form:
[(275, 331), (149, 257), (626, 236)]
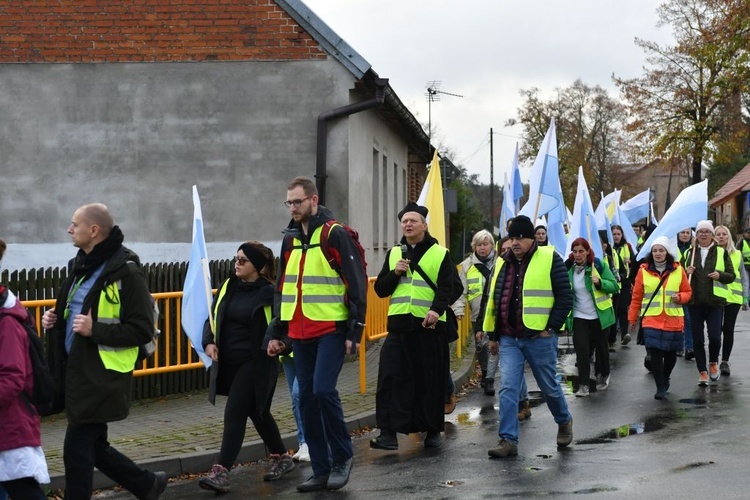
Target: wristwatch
[(551, 331)]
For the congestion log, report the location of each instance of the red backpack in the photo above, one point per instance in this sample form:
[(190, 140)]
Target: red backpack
[(334, 259)]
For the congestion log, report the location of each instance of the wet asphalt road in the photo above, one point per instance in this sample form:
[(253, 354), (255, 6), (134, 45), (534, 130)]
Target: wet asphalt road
[(626, 445)]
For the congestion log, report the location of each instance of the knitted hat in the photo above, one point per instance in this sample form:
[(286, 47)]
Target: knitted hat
[(705, 224), (521, 227), (664, 242)]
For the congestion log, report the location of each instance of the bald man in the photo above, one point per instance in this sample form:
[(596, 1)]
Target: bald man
[(102, 314)]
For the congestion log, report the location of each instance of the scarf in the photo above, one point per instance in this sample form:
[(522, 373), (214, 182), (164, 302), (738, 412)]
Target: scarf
[(85, 264)]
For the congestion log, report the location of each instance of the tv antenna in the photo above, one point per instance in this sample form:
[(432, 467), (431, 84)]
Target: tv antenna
[(433, 94)]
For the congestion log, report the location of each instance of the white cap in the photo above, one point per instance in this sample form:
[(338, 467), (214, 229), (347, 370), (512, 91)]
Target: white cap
[(664, 241), (705, 224)]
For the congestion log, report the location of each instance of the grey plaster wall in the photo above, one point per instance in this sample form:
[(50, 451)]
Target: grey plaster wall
[(138, 136)]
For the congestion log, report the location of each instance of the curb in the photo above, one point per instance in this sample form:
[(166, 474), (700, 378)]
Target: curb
[(202, 461)]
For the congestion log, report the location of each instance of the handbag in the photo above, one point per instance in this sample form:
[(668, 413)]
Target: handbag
[(451, 322)]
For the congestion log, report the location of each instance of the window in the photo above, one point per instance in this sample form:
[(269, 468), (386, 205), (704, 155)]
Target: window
[(375, 196), (384, 204)]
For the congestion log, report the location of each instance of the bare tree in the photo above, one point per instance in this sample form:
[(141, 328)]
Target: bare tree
[(675, 108), (589, 133)]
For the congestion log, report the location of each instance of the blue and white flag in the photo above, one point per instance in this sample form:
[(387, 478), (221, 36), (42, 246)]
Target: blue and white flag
[(584, 220), (196, 293), (544, 184), (516, 186), (620, 220), (690, 207), (508, 210), (637, 207)]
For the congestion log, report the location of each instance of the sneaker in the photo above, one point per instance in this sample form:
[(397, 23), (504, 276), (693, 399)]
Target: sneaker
[(612, 348), (583, 391), (626, 339), (524, 410), (689, 355), (281, 465), (504, 449), (680, 354), (565, 434), (724, 368), (703, 380), (602, 382), (713, 371), (340, 472), (217, 480), (303, 454)]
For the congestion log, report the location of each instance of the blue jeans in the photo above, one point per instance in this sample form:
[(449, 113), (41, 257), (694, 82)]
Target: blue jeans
[(318, 362), (541, 353), (712, 317), (290, 371), (688, 330)]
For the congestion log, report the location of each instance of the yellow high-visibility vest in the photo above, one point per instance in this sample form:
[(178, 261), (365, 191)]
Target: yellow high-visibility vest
[(120, 359), (663, 300), (413, 295), (323, 292)]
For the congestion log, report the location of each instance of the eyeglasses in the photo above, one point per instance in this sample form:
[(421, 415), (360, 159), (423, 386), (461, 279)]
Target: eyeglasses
[(296, 203), (242, 261), (703, 231)]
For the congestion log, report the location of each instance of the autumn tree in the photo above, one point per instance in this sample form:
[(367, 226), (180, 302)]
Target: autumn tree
[(679, 107), (589, 133)]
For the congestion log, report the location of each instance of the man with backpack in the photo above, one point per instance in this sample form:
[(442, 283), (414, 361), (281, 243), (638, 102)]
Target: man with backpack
[(102, 315), (422, 283), (320, 304), (22, 463)]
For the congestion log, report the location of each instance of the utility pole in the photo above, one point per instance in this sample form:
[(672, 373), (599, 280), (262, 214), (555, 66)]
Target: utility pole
[(492, 182)]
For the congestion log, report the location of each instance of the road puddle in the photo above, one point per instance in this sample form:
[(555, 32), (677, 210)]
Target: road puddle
[(650, 424)]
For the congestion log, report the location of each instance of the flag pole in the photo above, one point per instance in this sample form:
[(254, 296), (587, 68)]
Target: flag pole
[(207, 287), (692, 257)]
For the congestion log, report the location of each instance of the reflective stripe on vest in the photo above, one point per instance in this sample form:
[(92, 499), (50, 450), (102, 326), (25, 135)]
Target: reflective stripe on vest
[(413, 295), (119, 359), (473, 283), (323, 292), (719, 288), (735, 287), (663, 300), (537, 295), (745, 248), (603, 300)]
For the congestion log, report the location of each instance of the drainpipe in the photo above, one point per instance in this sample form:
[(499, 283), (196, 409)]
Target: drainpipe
[(323, 118)]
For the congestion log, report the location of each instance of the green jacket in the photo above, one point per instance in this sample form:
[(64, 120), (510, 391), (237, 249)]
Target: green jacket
[(93, 394), (608, 285)]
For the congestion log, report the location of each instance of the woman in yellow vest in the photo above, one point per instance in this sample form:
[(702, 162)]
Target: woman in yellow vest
[(592, 284), (241, 369), (625, 256), (663, 319), (737, 297)]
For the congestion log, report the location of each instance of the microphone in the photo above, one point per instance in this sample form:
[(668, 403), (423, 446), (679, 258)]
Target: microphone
[(404, 250)]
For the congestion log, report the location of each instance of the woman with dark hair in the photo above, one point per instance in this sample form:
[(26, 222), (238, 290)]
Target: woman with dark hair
[(241, 369), (661, 310), (540, 235), (592, 284), (625, 255)]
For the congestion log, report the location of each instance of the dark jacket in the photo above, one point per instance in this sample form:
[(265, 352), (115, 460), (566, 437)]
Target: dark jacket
[(265, 369), (93, 394), (448, 285), (560, 288), (19, 422), (701, 284), (339, 242)]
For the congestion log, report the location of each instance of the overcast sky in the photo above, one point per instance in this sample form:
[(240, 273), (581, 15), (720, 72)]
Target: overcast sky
[(487, 51)]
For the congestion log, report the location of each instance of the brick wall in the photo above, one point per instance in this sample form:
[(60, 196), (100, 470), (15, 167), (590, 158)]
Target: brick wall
[(67, 31)]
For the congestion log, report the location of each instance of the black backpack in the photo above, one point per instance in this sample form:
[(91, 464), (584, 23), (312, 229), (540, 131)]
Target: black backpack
[(43, 394)]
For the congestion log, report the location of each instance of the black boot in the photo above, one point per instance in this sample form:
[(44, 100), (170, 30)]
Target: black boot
[(386, 441), (489, 387)]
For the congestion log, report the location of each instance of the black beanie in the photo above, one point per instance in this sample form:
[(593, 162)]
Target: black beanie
[(521, 227), (413, 207)]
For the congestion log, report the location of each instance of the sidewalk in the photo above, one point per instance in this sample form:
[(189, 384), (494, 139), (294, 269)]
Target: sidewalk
[(182, 433)]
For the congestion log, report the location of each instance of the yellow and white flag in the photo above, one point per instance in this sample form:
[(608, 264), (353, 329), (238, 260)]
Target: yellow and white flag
[(432, 198)]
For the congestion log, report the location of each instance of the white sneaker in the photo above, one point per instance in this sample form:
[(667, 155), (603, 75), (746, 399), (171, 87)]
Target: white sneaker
[(302, 455)]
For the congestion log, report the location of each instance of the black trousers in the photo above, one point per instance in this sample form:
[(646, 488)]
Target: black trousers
[(86, 447), (727, 329), (26, 488), (662, 363), (241, 405), (588, 337)]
